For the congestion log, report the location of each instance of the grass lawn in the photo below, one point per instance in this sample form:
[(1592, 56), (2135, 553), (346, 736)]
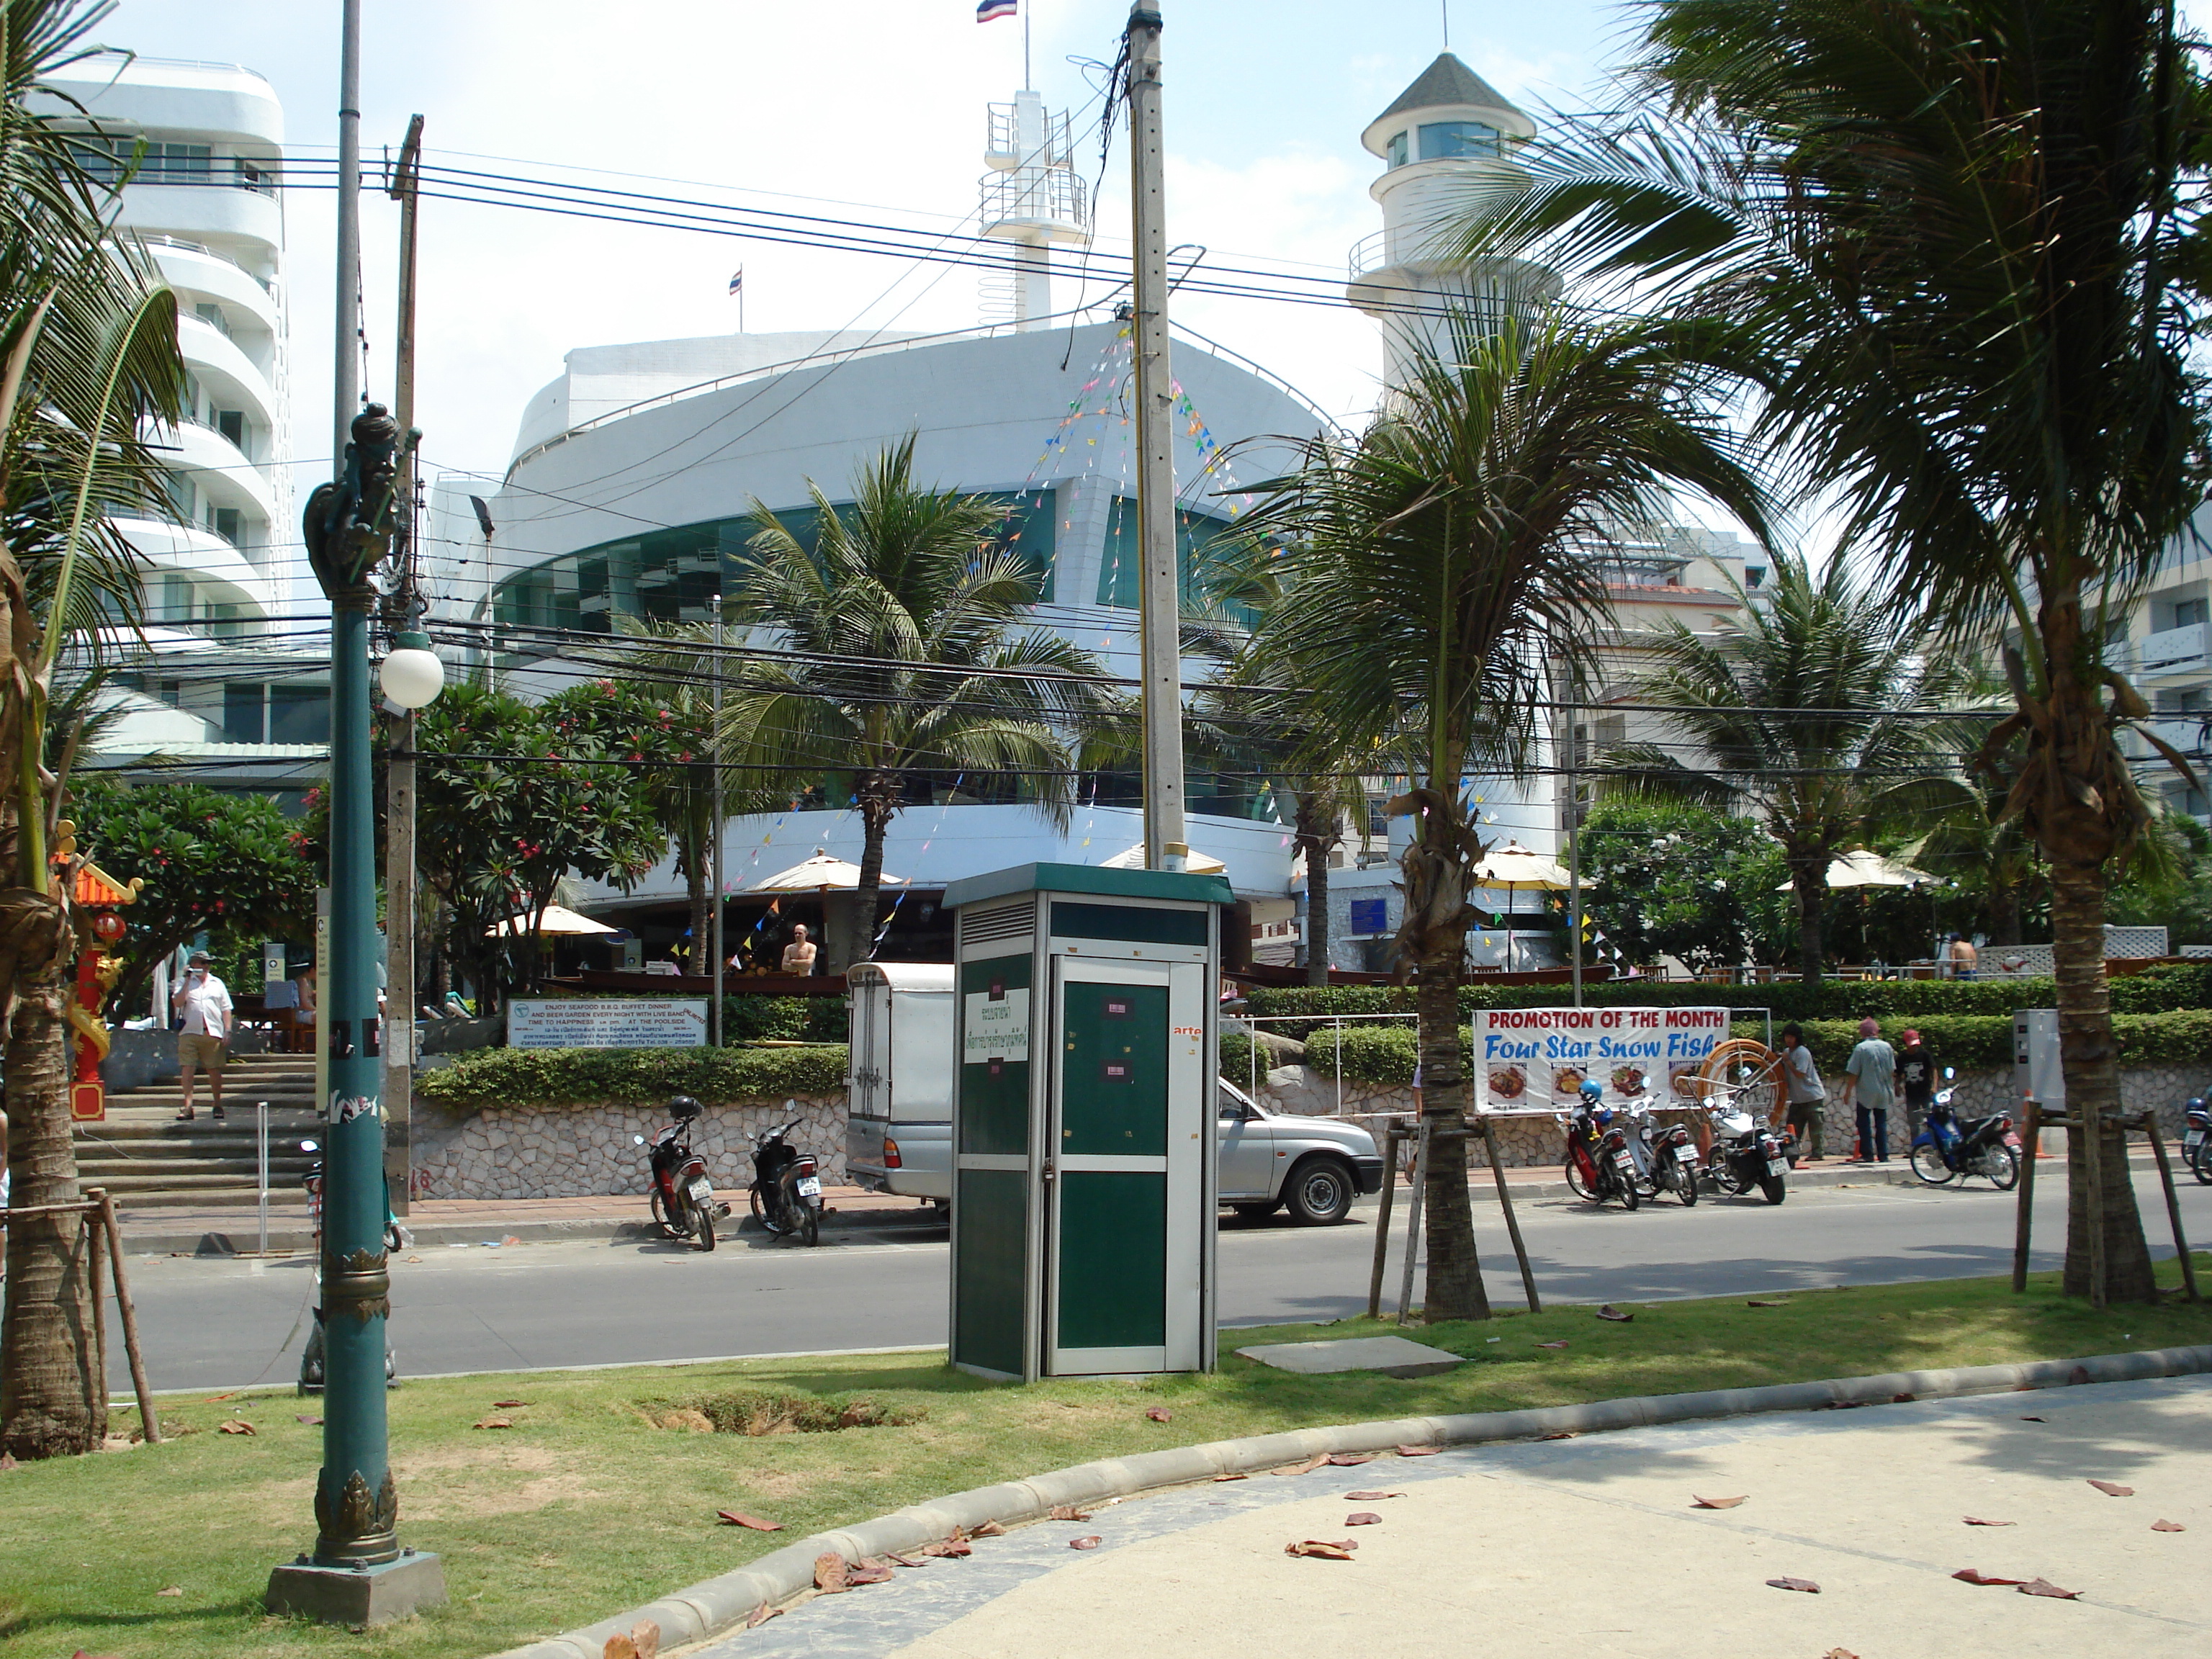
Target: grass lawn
[(588, 1504)]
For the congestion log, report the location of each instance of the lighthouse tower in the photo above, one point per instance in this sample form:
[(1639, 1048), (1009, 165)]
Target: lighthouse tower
[(1032, 198), (1449, 133)]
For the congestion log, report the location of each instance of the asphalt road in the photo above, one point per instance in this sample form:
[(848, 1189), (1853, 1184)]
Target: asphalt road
[(217, 1323)]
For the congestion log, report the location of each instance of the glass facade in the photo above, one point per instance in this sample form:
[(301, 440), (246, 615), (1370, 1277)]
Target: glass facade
[(1398, 156), (1202, 541), (1442, 140)]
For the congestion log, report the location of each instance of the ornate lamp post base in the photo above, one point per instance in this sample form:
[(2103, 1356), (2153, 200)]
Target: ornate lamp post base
[(359, 1595)]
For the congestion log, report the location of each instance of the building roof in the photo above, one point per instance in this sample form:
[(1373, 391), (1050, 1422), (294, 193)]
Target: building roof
[(1445, 83)]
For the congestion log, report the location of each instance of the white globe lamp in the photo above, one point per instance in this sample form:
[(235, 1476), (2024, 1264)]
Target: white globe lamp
[(412, 675)]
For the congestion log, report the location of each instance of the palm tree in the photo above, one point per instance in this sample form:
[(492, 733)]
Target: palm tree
[(1962, 240), (1440, 565), (1808, 707), (904, 658), (88, 362)]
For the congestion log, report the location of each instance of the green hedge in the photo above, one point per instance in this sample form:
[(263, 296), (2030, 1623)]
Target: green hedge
[(792, 1019), (595, 1077)]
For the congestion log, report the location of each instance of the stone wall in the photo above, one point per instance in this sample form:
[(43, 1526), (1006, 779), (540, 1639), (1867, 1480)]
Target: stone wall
[(580, 1152), (1536, 1140)]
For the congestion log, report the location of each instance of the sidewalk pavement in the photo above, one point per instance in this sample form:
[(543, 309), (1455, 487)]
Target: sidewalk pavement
[(1594, 1545)]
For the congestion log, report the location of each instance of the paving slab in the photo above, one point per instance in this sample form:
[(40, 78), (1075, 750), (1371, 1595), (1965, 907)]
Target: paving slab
[(1594, 1545), (1392, 1356)]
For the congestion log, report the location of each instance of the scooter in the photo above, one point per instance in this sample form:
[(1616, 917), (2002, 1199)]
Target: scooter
[(1668, 1151), (1600, 1164), (787, 1189), (315, 1362), (681, 1195), (1747, 1153), (1945, 1148), (2196, 1138)]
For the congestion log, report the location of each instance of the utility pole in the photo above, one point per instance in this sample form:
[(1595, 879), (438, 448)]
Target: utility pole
[(358, 1574), (1160, 655), (714, 818), (400, 772)]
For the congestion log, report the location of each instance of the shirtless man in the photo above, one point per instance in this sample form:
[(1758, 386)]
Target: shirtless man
[(1965, 960), (799, 955)]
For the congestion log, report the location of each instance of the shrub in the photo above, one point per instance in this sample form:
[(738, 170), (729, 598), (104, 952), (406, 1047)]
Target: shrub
[(596, 1077), (761, 1411)]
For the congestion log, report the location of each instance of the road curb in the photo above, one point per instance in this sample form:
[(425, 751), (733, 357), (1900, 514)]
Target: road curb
[(720, 1604), (294, 1239)]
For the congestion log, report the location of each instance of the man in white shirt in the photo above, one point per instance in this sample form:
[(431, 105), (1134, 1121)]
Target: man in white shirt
[(205, 1002)]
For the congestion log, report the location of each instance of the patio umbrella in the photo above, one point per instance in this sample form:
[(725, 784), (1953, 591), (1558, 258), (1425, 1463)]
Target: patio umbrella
[(1862, 868), (1515, 867), (819, 874), (558, 919), (1197, 864)]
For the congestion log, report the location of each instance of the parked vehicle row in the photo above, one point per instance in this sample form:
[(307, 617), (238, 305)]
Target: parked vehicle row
[(1623, 1153)]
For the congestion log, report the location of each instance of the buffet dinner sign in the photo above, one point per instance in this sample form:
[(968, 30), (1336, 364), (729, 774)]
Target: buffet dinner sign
[(1538, 1058)]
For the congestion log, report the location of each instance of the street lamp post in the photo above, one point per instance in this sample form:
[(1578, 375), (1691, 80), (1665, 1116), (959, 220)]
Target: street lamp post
[(359, 1573)]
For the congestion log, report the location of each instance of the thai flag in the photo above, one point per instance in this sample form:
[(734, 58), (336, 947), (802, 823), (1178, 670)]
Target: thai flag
[(737, 280), (991, 10)]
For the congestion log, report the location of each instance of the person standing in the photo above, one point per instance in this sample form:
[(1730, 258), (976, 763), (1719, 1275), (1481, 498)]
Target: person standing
[(205, 1002), (1965, 960), (1805, 1094), (1915, 1081), (799, 955), (1870, 1078)]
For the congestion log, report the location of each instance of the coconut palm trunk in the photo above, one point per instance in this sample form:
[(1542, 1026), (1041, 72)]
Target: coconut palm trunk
[(877, 794), (1808, 884), (1315, 829)]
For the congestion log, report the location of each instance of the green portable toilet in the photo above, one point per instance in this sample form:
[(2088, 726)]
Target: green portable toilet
[(1083, 1212)]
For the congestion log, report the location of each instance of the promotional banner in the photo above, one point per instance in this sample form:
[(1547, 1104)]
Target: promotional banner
[(1540, 1057), (607, 1023)]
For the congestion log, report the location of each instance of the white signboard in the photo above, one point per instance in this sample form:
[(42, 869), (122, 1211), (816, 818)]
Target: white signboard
[(997, 1026), (1540, 1057), (608, 1023)]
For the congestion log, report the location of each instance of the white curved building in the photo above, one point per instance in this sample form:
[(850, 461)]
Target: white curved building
[(195, 148)]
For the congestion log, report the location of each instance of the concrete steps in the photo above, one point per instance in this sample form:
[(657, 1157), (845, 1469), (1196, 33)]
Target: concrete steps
[(150, 1160)]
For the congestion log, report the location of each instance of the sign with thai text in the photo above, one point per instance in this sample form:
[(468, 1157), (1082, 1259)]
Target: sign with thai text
[(1540, 1057), (608, 1023), (998, 1025)]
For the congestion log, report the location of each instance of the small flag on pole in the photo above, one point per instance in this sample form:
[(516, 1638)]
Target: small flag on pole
[(738, 281), (992, 9)]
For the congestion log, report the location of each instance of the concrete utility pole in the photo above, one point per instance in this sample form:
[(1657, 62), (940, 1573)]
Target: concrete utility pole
[(1161, 652), (715, 817), (399, 773), (346, 367)]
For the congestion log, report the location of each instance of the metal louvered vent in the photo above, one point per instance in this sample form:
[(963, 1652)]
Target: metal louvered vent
[(1006, 922)]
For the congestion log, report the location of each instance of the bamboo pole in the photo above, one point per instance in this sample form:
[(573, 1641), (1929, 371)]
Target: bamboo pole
[(1414, 1219), (2172, 1204), (95, 1392), (1512, 1222), (1394, 1141), (148, 1421)]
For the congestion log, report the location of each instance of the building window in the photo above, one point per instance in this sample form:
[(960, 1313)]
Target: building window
[(2187, 613), (224, 521), (244, 713), (230, 424), (1442, 140), (1398, 157), (299, 713), (1754, 574), (213, 316)]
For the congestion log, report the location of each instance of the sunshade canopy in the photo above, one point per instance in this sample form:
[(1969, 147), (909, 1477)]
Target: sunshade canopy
[(819, 874), (1514, 866), (1863, 868), (1196, 863), (558, 919)]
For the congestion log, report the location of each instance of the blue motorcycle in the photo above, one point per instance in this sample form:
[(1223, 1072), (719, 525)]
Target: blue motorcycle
[(1947, 1149), (2196, 1138)]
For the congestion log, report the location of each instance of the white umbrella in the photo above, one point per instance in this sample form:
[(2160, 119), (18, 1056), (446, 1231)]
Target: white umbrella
[(1514, 866), (558, 919), (1863, 868), (819, 874), (1197, 864)]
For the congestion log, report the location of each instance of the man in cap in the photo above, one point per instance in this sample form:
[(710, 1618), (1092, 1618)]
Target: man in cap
[(1870, 1075), (1915, 1077), (205, 1002)]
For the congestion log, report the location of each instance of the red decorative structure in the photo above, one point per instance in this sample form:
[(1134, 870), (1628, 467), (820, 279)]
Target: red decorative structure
[(99, 895)]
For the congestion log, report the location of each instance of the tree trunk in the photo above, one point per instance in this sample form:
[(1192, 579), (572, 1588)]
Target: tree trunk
[(1808, 880), (876, 795), (52, 1401), (1314, 844), (702, 917), (2000, 910), (2090, 1060)]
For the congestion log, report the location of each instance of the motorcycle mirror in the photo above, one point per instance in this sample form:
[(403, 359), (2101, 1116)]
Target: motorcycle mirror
[(640, 1139), (311, 1146)]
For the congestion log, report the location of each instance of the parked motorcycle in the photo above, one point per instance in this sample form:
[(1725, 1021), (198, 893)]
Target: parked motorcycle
[(315, 1362), (682, 1196), (2196, 1138), (1947, 1149), (787, 1190), (1747, 1153), (1668, 1153), (1600, 1164)]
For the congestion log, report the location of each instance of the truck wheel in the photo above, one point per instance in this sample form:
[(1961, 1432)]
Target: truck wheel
[(1319, 1192)]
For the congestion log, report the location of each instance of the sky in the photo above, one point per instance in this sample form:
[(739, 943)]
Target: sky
[(862, 108)]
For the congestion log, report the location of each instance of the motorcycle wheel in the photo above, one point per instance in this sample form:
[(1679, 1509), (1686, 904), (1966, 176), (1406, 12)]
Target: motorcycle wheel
[(2203, 1165), (2001, 1163), (1577, 1185), (669, 1229), (762, 1214), (1686, 1186), (1628, 1198), (1927, 1163), (1774, 1188), (813, 1226), (706, 1214)]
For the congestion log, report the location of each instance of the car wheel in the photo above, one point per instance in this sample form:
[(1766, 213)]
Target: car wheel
[(1319, 1192)]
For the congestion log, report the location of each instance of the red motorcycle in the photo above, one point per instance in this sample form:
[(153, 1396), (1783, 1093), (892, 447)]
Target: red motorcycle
[(682, 1196), (1600, 1166)]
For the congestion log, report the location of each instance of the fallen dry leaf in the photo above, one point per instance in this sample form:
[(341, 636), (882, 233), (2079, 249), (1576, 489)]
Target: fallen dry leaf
[(1755, 1302), (1350, 1460), (1089, 1541), (761, 1615), (1976, 1576), (1319, 1460), (739, 1518), (508, 1405), (7, 1462), (1839, 1653), (1067, 1512), (217, 1399), (1609, 1311), (2111, 1490), (236, 1425), (1697, 1503), (949, 1549), (619, 1647), (1804, 1585), (1558, 1434), (414, 1258), (1369, 1497), (1977, 1521), (1418, 1451), (1363, 1518), (1322, 1549), (494, 1423), (174, 1589), (1159, 1413), (312, 1422), (1232, 1477), (2167, 1526), (2034, 1420), (2078, 1375), (989, 1529), (903, 1560), (829, 1571), (868, 1575), (645, 1637), (509, 1239), (1902, 1398), (1561, 1343), (2044, 1587)]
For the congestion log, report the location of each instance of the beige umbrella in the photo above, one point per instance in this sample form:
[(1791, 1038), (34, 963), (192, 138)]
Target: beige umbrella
[(819, 874), (1862, 868), (1197, 864), (1515, 867), (558, 919)]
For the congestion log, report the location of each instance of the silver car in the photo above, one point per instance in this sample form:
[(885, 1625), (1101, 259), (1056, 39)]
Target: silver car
[(1314, 1165)]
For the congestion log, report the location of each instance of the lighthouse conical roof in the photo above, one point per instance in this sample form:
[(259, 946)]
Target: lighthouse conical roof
[(1447, 83)]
